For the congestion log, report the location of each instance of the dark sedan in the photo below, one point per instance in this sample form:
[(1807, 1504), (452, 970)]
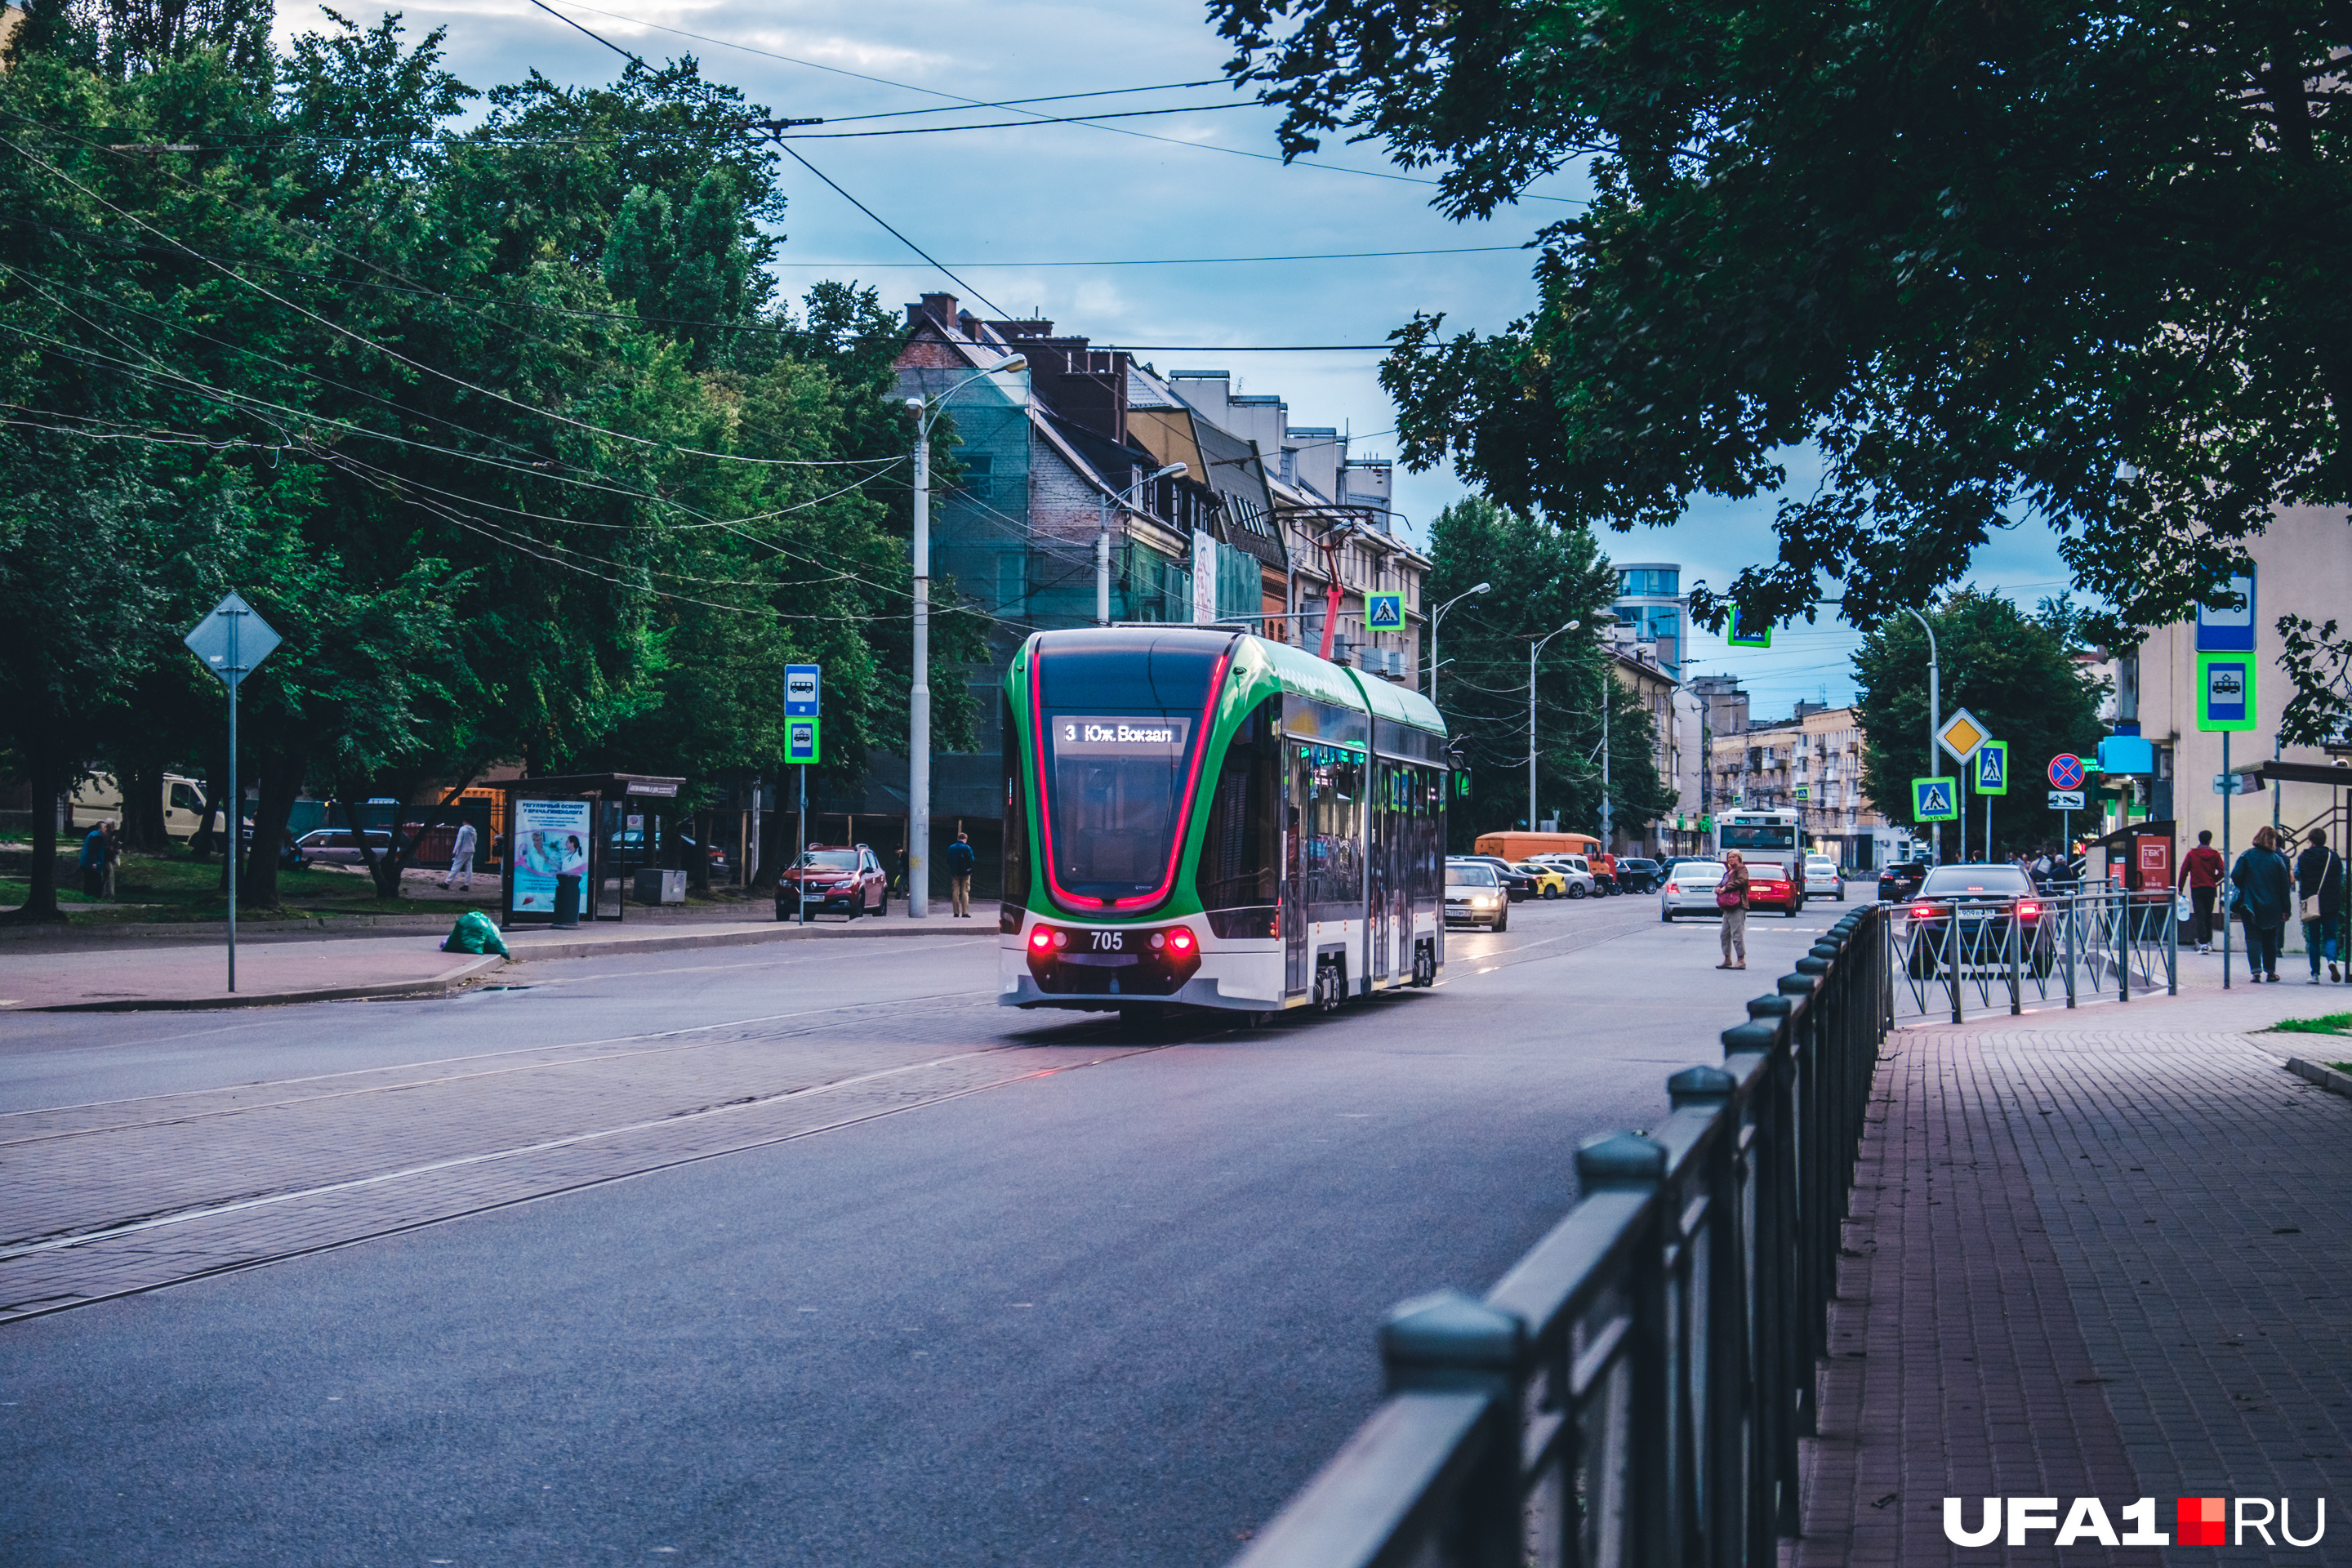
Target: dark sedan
[(1636, 875), (1518, 884), (1965, 914), (1900, 880)]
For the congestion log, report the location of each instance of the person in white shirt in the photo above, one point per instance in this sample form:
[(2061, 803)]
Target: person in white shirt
[(461, 858)]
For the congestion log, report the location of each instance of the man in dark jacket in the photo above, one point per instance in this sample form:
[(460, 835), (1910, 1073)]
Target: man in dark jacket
[(2319, 888), (2265, 887), (2201, 873), (959, 863)]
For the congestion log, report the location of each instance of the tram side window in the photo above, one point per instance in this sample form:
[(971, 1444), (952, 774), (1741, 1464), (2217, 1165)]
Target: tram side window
[(1017, 830), (1333, 833), (1241, 851)]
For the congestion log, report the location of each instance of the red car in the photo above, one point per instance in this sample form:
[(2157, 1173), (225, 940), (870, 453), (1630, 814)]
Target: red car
[(1775, 885), (838, 879)]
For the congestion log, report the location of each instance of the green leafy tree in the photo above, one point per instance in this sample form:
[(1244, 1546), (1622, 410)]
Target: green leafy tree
[(2015, 672), (1544, 577), (1992, 263)]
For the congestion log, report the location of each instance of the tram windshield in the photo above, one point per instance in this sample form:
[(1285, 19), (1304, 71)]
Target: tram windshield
[(1120, 725)]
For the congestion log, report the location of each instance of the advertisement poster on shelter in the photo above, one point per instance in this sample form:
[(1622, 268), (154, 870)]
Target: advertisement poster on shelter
[(552, 840)]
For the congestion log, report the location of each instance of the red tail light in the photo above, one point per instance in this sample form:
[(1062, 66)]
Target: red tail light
[(1041, 939), (1922, 911), (1181, 942), (2029, 910)]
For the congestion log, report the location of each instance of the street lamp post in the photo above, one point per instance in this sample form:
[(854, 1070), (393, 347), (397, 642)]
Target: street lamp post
[(918, 695), (1535, 650), (1434, 620), (1102, 536), (1935, 723)]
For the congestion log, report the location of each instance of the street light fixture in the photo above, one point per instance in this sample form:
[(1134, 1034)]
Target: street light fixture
[(1534, 648), (1102, 536), (919, 695), (1432, 633)]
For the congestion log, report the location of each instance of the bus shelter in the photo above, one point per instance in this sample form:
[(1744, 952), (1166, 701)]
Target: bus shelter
[(596, 827)]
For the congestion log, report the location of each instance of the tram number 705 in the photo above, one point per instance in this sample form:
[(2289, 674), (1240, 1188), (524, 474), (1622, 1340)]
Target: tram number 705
[(1108, 940)]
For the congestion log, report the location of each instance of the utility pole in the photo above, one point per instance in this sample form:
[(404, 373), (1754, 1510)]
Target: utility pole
[(918, 695)]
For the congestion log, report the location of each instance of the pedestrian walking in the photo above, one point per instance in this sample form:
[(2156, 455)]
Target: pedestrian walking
[(1731, 898), (2201, 873), (2319, 896), (959, 863), (461, 858), (2266, 885)]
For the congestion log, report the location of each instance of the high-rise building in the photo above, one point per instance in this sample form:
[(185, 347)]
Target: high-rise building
[(1650, 603)]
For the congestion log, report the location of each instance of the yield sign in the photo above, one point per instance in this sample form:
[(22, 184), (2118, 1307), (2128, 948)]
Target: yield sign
[(2065, 771), (232, 640), (1962, 733)]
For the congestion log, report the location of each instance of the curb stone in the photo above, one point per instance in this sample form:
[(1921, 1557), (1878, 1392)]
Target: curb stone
[(2326, 1077), (447, 984)]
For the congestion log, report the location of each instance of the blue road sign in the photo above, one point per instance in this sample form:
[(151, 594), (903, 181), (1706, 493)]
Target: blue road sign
[(2228, 631), (801, 740), (1754, 635), (2065, 771), (1935, 799), (1384, 612), (2225, 691), (804, 690), (232, 640), (1992, 767)]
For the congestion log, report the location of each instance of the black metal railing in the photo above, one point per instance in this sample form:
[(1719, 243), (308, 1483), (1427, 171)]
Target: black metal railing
[(1632, 1391)]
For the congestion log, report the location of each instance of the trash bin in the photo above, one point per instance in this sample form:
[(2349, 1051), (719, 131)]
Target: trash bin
[(567, 902)]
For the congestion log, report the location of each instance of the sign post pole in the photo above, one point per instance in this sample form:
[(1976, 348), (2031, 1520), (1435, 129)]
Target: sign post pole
[(804, 704), (2223, 893), (232, 641)]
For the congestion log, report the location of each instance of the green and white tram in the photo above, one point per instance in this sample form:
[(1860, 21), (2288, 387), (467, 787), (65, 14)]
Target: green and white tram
[(1200, 818)]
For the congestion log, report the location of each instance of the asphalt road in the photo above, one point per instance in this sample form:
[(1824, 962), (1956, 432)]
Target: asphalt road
[(1106, 1313)]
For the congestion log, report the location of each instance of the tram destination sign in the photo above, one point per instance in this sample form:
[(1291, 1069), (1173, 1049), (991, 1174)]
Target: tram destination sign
[(1119, 735)]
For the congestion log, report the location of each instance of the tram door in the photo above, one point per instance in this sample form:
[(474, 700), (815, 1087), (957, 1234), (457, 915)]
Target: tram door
[(1376, 828), (1298, 778)]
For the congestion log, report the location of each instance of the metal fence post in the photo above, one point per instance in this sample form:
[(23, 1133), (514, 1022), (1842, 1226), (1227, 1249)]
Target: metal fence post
[(2074, 913), (1452, 1343), (1629, 1163), (2123, 949), (2016, 969)]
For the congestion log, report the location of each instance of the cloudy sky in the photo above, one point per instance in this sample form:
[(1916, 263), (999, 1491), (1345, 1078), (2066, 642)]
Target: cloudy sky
[(1120, 229)]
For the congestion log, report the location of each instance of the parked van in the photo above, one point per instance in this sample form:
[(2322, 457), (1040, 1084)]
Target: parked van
[(98, 799), (1516, 846)]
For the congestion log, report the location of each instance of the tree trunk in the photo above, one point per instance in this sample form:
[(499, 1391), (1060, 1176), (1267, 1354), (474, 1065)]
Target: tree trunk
[(41, 906), (281, 780), (143, 808)]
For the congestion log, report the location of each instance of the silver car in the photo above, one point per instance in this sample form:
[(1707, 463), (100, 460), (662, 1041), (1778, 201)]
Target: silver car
[(1474, 895), (1822, 877), (338, 846), (1689, 889)]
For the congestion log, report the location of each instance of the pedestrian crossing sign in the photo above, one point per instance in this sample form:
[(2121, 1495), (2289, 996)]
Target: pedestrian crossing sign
[(1935, 799), (1992, 767), (1758, 635), (801, 742), (1384, 612)]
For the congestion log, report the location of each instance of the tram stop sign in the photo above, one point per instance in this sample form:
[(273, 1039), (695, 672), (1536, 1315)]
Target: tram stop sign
[(232, 641)]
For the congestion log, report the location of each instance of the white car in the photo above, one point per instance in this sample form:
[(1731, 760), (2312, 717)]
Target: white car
[(1474, 895), (1822, 875), (1689, 889)]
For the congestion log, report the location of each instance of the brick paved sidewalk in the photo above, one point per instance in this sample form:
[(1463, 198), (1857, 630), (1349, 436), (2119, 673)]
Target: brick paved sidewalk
[(2105, 1253)]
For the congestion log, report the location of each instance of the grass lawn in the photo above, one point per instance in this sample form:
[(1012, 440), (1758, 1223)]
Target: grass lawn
[(2328, 1023)]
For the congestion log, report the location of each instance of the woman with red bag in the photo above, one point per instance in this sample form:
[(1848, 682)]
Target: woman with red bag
[(1732, 897)]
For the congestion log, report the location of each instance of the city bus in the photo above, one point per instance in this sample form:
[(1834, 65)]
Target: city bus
[(1202, 818)]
